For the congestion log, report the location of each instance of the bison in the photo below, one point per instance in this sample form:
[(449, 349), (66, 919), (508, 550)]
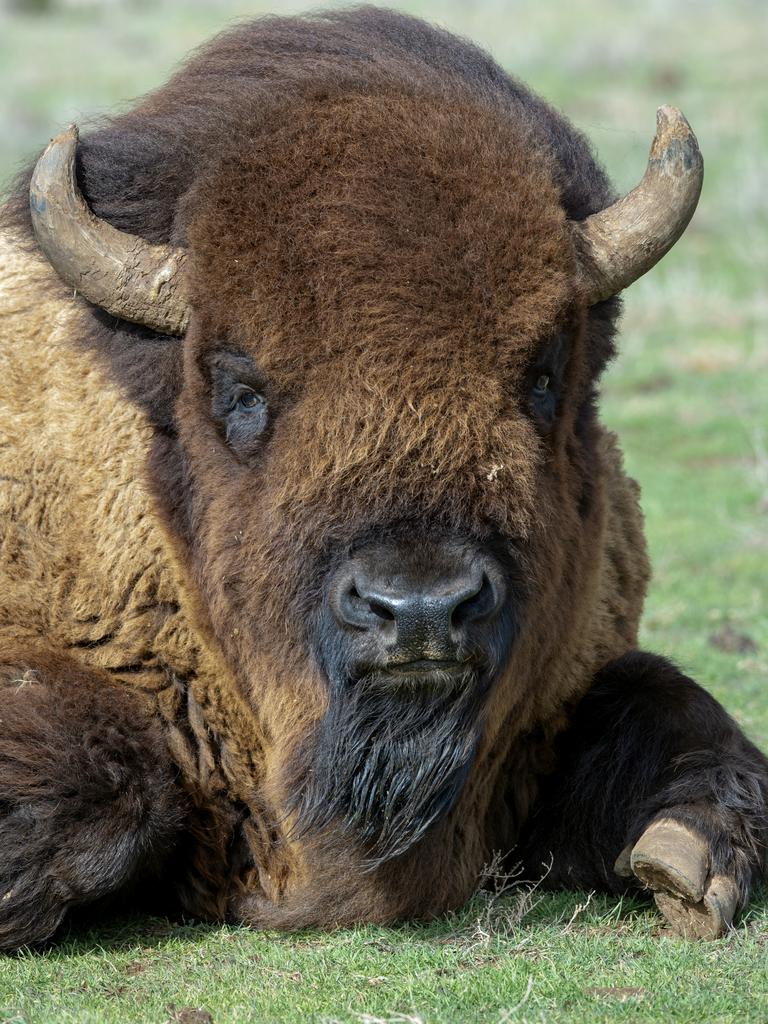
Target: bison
[(320, 578)]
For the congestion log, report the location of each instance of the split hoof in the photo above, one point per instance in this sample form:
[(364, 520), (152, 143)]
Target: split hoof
[(710, 918), (672, 860)]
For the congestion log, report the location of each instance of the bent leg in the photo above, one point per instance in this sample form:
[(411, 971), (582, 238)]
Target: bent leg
[(655, 784), (88, 801)]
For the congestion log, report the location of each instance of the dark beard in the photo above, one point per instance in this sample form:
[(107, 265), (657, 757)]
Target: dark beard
[(388, 760)]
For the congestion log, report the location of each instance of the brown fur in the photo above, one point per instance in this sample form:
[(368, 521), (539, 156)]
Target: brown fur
[(391, 248), (90, 806)]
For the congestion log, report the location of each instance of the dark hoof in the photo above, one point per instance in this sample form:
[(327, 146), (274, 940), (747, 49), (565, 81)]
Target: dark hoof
[(672, 860)]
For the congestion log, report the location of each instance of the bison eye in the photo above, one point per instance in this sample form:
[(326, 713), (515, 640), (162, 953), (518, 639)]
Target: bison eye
[(246, 419), (543, 399), (248, 399), (238, 401)]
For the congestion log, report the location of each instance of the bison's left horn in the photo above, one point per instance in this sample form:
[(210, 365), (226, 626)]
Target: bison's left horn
[(622, 242), (120, 272)]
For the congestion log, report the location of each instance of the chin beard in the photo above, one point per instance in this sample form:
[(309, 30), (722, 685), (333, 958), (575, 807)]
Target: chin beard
[(388, 759)]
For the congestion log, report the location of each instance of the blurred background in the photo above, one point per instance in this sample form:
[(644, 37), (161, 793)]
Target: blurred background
[(689, 393)]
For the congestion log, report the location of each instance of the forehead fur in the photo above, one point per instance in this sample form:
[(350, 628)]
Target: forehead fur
[(379, 226)]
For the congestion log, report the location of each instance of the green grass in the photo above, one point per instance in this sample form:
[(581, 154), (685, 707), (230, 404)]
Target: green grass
[(571, 958), (688, 396)]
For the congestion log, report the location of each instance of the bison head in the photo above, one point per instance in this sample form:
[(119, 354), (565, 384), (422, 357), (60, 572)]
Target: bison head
[(384, 473)]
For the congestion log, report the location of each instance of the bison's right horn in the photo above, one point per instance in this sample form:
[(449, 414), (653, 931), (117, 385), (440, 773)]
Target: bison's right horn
[(117, 271), (622, 242)]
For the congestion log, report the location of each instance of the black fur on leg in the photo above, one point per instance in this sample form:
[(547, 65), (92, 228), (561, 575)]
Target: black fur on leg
[(88, 801), (646, 738)]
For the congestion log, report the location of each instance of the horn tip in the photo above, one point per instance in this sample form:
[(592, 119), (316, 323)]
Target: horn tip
[(670, 121), (675, 144), (70, 136), (666, 112), (59, 153)]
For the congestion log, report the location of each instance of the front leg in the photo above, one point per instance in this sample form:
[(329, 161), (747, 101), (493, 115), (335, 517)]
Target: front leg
[(88, 798), (655, 784)]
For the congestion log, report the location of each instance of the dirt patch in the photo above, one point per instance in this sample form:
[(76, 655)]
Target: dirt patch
[(622, 994), (732, 641), (188, 1015)]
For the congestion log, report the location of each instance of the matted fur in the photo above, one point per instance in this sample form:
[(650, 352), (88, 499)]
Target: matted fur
[(377, 222)]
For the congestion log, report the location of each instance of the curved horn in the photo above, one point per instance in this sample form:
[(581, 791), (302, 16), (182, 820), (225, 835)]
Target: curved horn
[(622, 242), (117, 271)]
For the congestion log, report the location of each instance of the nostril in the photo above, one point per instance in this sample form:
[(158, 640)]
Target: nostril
[(480, 604), (382, 611), (355, 608), (371, 604)]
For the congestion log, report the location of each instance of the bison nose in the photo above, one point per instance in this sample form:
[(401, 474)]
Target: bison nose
[(416, 619)]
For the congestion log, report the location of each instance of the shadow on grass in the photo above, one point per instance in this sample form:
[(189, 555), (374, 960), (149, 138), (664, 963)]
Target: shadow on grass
[(486, 917), (124, 932)]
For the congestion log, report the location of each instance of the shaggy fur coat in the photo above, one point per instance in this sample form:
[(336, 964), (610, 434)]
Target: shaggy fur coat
[(377, 224)]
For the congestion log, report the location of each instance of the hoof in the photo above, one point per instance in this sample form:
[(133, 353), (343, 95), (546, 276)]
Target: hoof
[(672, 860)]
